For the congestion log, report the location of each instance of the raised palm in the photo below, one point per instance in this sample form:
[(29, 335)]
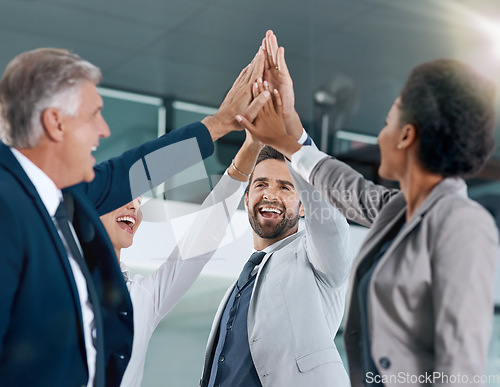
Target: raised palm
[(276, 73)]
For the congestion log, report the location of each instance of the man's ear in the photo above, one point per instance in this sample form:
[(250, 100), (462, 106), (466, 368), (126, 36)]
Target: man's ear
[(301, 210), (52, 124), (246, 201)]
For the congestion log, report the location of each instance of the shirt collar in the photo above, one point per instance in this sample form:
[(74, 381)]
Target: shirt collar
[(275, 245), (47, 190), (125, 271)]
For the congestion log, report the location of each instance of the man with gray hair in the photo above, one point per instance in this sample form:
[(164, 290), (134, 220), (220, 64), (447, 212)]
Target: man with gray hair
[(65, 312)]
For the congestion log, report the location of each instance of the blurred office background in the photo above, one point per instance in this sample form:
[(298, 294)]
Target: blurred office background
[(170, 62)]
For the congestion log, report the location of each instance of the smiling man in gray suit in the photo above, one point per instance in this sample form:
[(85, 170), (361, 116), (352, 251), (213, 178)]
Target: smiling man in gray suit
[(276, 325)]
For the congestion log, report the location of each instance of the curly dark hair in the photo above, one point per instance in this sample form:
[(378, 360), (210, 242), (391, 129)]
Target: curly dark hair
[(452, 108)]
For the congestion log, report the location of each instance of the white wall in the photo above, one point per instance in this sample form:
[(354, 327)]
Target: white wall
[(155, 240)]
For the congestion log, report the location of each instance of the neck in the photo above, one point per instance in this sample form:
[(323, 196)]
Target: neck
[(416, 186), (45, 158), (260, 243), (117, 252)]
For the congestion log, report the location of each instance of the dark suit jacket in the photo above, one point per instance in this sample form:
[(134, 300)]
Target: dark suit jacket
[(41, 336)]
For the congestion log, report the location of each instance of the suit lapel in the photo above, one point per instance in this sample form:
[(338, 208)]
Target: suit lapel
[(267, 257), (98, 252), (393, 213), (10, 163), (440, 191)]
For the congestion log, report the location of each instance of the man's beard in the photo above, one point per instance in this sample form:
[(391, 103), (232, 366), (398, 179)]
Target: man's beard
[(287, 223)]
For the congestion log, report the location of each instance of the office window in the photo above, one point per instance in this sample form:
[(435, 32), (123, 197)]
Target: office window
[(132, 118)]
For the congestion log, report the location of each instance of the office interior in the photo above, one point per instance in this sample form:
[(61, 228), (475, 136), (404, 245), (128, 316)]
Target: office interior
[(167, 63)]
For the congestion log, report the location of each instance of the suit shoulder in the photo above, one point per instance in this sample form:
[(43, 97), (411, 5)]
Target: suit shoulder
[(457, 206), (457, 214), (10, 189)]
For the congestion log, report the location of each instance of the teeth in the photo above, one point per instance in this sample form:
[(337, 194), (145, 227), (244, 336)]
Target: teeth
[(270, 209), (126, 219), (93, 149)]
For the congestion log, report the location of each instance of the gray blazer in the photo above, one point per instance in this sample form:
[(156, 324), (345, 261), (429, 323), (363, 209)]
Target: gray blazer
[(430, 304), (297, 302)]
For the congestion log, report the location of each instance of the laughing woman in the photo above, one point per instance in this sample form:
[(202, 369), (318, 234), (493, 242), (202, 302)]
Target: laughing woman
[(155, 295)]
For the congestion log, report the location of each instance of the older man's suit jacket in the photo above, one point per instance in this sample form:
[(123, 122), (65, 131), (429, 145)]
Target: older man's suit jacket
[(430, 300), (297, 302), (41, 335)]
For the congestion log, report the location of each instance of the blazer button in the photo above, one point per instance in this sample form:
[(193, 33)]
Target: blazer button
[(385, 363)]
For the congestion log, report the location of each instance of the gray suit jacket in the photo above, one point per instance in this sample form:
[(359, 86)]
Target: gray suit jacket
[(297, 302), (430, 303)]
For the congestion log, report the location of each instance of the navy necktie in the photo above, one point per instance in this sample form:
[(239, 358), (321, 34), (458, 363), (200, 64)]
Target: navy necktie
[(255, 259), (62, 220)]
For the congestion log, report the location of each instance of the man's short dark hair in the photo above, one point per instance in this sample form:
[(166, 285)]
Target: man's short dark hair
[(266, 153)]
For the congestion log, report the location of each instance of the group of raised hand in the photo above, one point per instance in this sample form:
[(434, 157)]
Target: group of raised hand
[(262, 101)]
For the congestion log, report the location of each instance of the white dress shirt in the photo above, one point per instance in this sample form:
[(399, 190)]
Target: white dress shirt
[(155, 295), (305, 159), (51, 197)]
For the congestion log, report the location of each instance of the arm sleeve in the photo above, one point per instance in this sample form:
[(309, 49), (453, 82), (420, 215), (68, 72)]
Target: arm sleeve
[(327, 235), (358, 199), (120, 179), (463, 259), (172, 280)]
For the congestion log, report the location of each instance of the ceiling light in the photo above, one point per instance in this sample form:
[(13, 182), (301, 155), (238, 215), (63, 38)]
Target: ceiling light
[(492, 30)]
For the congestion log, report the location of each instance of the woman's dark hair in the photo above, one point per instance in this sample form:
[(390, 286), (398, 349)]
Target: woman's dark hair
[(452, 108)]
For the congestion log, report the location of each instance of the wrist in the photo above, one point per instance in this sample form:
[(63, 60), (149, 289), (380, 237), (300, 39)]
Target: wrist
[(293, 125), (237, 174), (252, 145), (287, 145), (216, 126)]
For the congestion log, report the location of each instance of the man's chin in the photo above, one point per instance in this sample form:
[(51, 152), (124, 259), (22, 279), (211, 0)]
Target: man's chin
[(270, 226), (270, 231), (89, 176)]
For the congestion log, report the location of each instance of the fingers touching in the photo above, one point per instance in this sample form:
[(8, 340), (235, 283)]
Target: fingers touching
[(266, 113), (256, 105), (272, 49)]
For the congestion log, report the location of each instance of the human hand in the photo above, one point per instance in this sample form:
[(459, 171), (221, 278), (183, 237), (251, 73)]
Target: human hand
[(243, 163), (252, 141), (277, 75), (237, 100), (269, 126)]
